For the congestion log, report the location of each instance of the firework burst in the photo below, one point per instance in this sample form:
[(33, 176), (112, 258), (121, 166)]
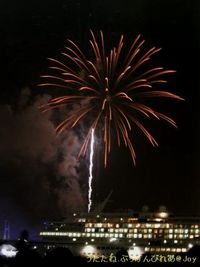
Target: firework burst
[(107, 88)]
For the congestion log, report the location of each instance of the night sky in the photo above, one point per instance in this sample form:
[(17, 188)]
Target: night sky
[(40, 178)]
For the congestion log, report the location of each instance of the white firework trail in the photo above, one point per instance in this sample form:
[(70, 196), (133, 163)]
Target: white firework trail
[(90, 171)]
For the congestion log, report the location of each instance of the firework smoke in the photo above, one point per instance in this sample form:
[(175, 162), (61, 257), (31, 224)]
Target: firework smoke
[(91, 171), (42, 167)]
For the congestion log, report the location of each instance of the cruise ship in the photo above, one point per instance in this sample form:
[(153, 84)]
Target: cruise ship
[(99, 234)]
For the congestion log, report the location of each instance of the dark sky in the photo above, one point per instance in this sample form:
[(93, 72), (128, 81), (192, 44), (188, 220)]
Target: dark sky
[(33, 161)]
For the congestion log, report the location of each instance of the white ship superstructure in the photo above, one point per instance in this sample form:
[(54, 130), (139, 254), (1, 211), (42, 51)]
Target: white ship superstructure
[(106, 233)]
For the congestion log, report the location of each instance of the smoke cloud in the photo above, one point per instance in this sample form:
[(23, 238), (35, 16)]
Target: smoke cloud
[(40, 171)]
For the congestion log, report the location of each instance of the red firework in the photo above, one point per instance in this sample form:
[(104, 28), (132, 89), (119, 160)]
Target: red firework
[(106, 88)]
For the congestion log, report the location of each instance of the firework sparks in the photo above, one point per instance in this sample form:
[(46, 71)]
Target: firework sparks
[(91, 171), (109, 85)]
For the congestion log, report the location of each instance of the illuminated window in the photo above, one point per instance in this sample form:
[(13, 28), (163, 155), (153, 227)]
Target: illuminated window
[(81, 220), (170, 231), (170, 236), (158, 219), (190, 245)]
